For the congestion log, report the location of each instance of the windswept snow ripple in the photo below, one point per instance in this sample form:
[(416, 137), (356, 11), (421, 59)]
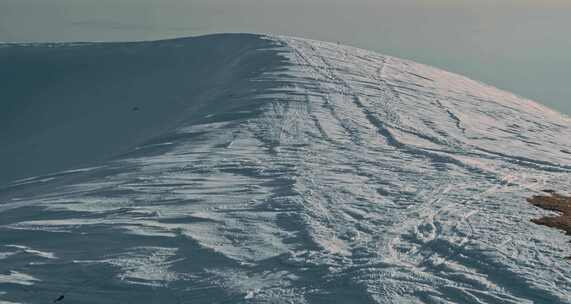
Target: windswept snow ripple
[(314, 173)]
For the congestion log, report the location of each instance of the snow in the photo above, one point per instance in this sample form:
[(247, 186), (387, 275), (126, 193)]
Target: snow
[(47, 255), (14, 277), (295, 171)]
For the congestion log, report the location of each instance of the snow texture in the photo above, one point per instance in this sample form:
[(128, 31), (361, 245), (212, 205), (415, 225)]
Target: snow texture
[(256, 169)]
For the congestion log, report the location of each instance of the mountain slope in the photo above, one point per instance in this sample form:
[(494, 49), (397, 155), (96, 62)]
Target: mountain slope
[(304, 172)]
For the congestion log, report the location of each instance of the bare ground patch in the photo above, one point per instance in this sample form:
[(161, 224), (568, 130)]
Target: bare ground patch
[(557, 203)]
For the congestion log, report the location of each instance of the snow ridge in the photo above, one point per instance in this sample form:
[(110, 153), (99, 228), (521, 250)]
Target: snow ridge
[(326, 173)]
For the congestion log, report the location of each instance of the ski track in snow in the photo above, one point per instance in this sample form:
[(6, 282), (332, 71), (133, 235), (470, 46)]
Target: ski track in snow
[(339, 176)]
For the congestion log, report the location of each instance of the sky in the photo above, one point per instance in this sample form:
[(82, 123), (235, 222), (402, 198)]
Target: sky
[(522, 46)]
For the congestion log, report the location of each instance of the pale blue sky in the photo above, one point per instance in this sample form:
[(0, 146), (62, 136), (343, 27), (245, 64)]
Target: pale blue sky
[(521, 46)]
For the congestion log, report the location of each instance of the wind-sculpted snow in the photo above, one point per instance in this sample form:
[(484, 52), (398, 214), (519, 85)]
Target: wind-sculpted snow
[(311, 173)]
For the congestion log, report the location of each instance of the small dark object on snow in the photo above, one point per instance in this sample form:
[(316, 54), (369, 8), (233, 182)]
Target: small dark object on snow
[(59, 299), (135, 108)]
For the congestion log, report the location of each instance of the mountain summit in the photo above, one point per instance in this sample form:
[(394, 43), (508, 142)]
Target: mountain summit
[(257, 169)]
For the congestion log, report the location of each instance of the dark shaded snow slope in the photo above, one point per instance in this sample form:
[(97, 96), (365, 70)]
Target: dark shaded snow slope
[(66, 105), (271, 170)]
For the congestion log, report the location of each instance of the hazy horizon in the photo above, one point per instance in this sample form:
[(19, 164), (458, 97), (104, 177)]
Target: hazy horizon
[(519, 46)]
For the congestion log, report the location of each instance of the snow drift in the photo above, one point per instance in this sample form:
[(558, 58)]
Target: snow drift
[(257, 169), (65, 105)]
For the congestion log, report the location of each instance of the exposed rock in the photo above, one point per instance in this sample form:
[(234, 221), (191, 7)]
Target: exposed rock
[(555, 202)]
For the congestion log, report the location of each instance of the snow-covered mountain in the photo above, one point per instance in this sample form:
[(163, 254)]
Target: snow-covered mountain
[(256, 169)]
